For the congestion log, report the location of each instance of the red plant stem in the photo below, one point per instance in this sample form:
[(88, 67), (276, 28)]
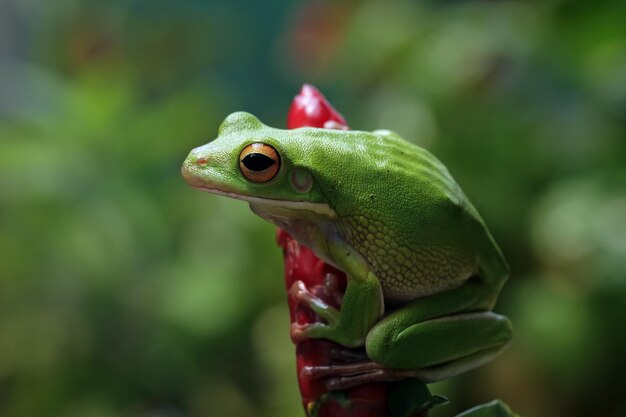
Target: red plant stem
[(310, 108)]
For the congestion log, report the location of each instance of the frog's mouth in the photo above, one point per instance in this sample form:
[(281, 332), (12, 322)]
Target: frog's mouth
[(317, 208)]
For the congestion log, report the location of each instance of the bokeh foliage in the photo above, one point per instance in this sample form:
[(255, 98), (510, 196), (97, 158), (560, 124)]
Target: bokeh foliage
[(124, 292)]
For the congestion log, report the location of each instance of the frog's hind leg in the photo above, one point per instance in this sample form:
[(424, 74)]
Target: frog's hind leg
[(442, 347), (447, 333), (431, 338), (431, 350), (340, 377)]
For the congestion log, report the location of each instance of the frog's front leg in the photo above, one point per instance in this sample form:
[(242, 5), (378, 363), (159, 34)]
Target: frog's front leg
[(300, 293), (361, 307)]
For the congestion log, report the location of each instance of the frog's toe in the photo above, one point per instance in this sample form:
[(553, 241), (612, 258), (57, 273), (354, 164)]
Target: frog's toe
[(338, 370), (300, 332), (375, 373), (300, 293)]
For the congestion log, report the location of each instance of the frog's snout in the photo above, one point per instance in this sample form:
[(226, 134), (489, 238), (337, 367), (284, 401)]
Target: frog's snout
[(198, 157), (195, 162), (185, 172)]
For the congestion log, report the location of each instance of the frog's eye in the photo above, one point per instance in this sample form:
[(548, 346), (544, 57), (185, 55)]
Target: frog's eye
[(259, 162)]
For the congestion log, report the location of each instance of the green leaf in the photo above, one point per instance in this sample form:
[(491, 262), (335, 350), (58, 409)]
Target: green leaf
[(411, 397), (495, 408)]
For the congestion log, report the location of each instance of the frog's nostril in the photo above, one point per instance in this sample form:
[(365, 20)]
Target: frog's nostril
[(201, 161)]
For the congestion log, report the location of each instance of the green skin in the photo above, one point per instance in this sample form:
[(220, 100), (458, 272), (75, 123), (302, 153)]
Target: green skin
[(423, 270)]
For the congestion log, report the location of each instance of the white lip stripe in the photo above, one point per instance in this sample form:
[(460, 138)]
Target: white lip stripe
[(318, 208)]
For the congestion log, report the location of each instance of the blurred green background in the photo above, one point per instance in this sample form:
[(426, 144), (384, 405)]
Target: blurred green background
[(123, 292)]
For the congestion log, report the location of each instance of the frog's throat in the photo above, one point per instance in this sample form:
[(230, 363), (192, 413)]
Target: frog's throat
[(317, 208)]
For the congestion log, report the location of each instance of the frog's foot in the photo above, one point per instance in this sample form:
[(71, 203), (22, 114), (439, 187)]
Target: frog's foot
[(301, 293), (333, 332), (340, 377), (300, 332)]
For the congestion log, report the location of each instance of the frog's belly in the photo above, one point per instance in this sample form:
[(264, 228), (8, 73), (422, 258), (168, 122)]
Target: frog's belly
[(406, 273), (413, 274)]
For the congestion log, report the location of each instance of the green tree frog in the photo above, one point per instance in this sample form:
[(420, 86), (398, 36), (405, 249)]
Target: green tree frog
[(423, 270)]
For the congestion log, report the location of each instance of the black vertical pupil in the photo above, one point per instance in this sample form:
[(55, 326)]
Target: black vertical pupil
[(257, 161)]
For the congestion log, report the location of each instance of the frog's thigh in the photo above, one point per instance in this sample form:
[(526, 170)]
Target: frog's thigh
[(457, 343)]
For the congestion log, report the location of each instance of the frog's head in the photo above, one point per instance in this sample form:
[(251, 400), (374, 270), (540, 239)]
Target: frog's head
[(259, 164)]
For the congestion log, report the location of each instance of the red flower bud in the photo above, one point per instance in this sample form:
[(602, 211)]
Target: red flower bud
[(310, 108)]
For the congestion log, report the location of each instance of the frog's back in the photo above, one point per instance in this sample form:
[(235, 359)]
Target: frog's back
[(400, 207)]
